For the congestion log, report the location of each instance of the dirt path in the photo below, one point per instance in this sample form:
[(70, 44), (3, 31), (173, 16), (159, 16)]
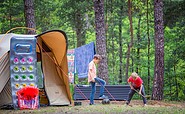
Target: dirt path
[(153, 107), (151, 103)]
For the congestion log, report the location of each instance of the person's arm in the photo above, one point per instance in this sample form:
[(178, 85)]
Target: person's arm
[(140, 88), (91, 75), (141, 82), (130, 85)]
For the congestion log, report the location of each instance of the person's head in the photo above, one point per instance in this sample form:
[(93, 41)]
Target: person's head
[(134, 75), (97, 58)]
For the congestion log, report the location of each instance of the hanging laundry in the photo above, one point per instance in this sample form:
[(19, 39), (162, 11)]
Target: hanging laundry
[(83, 55)]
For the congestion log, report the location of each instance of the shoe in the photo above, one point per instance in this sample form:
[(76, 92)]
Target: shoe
[(125, 105), (91, 104), (103, 97), (145, 105)]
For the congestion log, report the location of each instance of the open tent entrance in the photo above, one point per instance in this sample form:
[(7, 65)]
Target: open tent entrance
[(53, 50), (54, 86), (53, 83)]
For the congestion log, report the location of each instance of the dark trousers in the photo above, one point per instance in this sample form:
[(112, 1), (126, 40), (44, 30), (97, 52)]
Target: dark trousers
[(132, 92)]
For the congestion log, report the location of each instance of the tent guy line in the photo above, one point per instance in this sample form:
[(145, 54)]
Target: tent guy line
[(17, 28)]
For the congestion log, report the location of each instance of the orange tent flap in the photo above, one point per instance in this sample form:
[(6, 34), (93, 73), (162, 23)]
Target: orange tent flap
[(56, 42)]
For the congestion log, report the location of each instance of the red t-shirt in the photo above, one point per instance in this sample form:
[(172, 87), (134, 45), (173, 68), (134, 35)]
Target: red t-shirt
[(135, 83)]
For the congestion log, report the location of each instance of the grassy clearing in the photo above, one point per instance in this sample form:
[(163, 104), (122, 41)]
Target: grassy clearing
[(113, 108)]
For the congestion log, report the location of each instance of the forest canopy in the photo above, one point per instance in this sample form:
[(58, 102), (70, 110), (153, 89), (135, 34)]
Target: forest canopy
[(77, 19)]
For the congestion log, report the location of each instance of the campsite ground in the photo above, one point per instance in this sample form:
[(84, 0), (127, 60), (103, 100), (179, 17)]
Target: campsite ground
[(153, 107)]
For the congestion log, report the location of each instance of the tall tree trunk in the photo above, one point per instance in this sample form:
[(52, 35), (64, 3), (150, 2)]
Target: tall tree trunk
[(29, 15), (120, 46), (131, 37), (175, 74), (80, 32), (176, 83), (138, 42), (110, 37), (10, 13), (170, 82), (158, 83), (10, 19), (100, 38), (113, 40), (132, 63), (148, 35)]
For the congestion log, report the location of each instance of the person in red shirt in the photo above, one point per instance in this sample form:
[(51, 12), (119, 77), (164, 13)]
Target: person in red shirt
[(136, 83)]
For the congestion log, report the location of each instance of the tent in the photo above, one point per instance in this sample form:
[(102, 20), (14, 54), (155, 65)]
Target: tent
[(52, 52)]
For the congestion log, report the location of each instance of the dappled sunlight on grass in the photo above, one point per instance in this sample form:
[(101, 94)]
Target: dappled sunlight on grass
[(153, 107)]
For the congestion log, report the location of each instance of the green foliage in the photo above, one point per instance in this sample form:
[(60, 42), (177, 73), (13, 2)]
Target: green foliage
[(57, 14), (174, 11), (12, 15), (174, 79)]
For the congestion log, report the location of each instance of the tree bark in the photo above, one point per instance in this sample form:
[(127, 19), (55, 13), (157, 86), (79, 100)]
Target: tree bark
[(113, 40), (29, 15), (148, 35), (131, 37), (138, 42), (80, 32), (158, 83), (100, 38), (176, 83), (120, 46)]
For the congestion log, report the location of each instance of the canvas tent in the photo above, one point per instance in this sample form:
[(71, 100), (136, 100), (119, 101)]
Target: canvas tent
[(52, 52)]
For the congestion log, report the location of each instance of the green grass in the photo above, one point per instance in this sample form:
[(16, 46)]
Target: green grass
[(118, 108)]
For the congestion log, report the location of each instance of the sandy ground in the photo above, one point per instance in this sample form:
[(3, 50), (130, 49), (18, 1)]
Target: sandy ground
[(151, 103), (85, 108)]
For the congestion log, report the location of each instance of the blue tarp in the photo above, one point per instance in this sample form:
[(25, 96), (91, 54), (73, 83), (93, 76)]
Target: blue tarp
[(83, 56)]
